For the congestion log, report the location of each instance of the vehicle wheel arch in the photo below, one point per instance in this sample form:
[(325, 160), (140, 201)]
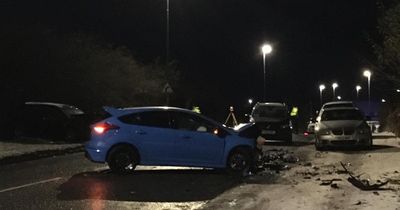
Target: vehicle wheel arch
[(238, 147), (124, 144)]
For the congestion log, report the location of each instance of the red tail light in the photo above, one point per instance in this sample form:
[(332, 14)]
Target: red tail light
[(103, 127)]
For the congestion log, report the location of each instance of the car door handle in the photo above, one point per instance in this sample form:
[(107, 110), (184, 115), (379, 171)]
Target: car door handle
[(140, 132)]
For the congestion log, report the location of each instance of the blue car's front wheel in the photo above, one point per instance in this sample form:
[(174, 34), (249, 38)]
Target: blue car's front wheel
[(122, 159), (239, 160)]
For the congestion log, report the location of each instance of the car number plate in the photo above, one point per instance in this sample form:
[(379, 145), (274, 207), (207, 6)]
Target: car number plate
[(343, 138), (268, 132)]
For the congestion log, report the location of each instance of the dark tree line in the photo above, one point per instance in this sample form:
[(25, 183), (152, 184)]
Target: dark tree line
[(386, 47), (38, 64)]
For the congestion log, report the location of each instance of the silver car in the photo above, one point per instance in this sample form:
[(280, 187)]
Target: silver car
[(342, 126)]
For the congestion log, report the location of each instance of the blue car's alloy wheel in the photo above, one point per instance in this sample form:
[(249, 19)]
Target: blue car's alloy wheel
[(122, 159), (239, 160)]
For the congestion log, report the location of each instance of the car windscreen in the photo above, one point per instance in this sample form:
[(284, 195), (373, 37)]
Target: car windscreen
[(344, 114), (277, 112)]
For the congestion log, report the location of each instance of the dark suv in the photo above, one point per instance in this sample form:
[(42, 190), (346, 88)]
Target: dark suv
[(51, 121), (273, 121)]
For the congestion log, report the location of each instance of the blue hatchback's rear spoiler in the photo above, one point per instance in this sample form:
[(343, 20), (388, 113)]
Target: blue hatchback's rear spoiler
[(111, 110)]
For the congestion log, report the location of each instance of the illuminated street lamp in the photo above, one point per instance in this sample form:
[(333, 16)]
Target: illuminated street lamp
[(367, 73), (358, 88), (339, 98), (167, 36), (383, 100), (250, 101), (265, 49), (321, 88), (398, 90), (334, 86)]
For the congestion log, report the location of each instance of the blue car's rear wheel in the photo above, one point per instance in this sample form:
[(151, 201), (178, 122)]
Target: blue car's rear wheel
[(122, 159)]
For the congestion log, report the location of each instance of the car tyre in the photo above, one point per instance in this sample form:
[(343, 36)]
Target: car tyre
[(370, 143), (122, 159), (318, 146), (290, 139), (239, 160)]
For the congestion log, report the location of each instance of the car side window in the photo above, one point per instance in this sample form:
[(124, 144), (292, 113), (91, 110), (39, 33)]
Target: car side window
[(184, 121), (149, 118)]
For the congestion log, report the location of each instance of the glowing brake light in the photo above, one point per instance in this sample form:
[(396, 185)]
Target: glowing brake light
[(103, 127)]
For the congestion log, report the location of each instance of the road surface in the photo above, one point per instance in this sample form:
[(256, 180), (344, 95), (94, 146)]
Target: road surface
[(72, 182)]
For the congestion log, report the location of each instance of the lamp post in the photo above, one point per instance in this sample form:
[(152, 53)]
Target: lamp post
[(334, 86), (250, 101), (266, 49), (167, 36), (358, 88), (321, 88), (367, 73)]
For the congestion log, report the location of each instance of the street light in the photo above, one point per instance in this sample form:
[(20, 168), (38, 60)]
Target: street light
[(367, 73), (167, 36), (339, 98), (321, 88), (265, 49), (250, 101), (334, 86), (358, 88)]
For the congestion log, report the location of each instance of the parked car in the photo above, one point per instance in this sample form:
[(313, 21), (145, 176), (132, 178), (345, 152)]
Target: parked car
[(273, 120), (343, 126), (334, 104), (51, 121), (168, 136)]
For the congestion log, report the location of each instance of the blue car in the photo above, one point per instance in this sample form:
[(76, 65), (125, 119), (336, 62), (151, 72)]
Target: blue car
[(167, 136)]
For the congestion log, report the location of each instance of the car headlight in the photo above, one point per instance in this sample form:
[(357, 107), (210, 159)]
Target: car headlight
[(322, 131), (251, 119)]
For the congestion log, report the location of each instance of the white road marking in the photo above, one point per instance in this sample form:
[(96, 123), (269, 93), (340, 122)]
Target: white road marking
[(31, 184)]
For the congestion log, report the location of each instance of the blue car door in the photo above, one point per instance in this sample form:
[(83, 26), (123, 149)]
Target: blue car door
[(150, 131), (196, 140)]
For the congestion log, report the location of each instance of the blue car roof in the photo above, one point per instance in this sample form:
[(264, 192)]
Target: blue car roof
[(120, 111), (116, 112)]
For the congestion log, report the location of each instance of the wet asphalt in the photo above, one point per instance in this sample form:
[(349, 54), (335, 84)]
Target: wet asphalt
[(72, 182)]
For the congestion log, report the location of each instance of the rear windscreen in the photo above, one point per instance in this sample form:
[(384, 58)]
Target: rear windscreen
[(271, 112)]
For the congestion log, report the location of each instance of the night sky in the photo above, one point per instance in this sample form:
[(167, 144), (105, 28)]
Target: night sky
[(217, 42)]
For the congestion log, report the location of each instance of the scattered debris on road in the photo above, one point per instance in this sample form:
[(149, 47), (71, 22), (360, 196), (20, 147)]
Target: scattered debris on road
[(276, 160), (360, 202), (363, 184), (334, 185), (329, 181)]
